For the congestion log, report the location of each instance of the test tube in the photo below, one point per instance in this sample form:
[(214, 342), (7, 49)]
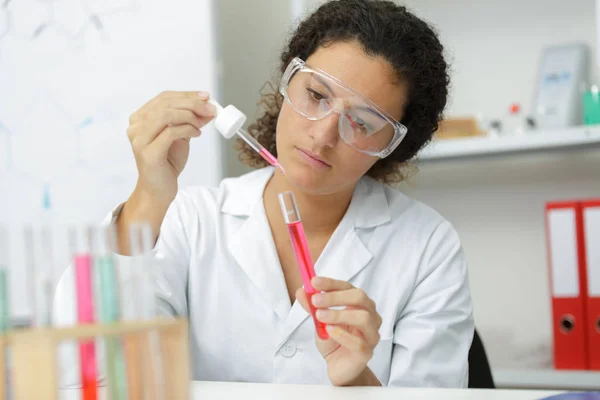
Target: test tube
[(46, 275), (30, 271), (104, 263), (80, 249), (129, 312), (4, 295), (4, 309), (141, 243), (291, 215), (39, 261)]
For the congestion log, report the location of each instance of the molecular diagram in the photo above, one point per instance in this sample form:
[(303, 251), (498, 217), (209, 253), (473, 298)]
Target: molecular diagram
[(71, 19), (26, 131), (26, 137)]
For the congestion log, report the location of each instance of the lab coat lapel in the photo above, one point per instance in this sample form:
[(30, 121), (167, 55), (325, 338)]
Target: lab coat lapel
[(253, 248)]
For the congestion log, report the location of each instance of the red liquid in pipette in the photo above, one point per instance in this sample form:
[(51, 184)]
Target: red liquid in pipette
[(307, 270), (270, 158)]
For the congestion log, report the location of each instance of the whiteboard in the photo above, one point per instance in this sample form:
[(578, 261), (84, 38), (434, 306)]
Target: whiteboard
[(71, 74)]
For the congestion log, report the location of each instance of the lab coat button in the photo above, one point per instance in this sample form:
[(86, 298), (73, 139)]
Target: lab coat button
[(288, 350)]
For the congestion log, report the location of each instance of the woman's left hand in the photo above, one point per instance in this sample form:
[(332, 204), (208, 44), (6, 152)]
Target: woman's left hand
[(353, 331)]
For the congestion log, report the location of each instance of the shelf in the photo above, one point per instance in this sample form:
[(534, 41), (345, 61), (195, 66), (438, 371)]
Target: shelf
[(581, 136), (546, 379)]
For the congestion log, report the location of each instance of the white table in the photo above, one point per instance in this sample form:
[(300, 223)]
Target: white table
[(256, 391), (253, 391), (546, 378)]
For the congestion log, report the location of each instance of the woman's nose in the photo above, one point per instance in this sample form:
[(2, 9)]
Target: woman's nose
[(325, 132)]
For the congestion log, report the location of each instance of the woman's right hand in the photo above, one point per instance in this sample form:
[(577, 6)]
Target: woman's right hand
[(160, 134)]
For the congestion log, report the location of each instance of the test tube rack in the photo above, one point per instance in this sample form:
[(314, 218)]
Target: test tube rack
[(34, 361)]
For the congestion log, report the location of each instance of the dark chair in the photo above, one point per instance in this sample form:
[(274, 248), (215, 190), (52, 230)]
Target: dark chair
[(480, 373)]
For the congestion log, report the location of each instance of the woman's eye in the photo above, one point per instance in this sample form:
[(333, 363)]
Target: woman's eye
[(359, 122), (315, 95)]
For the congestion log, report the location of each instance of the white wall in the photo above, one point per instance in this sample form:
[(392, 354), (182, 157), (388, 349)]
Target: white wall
[(497, 204), (495, 45), (65, 100)]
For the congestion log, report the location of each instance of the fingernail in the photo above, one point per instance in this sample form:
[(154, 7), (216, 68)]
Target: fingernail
[(317, 299), (211, 109), (203, 95), (333, 331), (322, 314), (315, 281)]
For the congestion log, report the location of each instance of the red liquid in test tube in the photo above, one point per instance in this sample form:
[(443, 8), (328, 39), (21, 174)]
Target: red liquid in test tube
[(85, 314), (300, 246), (85, 309)]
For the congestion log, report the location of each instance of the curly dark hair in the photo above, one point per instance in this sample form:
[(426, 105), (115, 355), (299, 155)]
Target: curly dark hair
[(383, 29)]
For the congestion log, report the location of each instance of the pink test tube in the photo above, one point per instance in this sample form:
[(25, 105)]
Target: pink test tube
[(291, 215), (80, 247)]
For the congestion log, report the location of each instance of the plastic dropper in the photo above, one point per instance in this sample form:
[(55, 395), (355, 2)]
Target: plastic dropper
[(229, 122)]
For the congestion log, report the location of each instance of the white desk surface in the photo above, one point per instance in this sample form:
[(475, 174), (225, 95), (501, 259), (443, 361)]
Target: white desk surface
[(256, 391), (546, 378)]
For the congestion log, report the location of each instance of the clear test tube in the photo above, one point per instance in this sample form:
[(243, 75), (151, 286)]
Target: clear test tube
[(46, 257), (39, 264), (5, 369), (30, 273), (4, 276), (141, 244)]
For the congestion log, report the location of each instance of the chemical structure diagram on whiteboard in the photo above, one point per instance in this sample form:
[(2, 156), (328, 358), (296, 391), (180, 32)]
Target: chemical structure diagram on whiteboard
[(52, 133), (30, 19)]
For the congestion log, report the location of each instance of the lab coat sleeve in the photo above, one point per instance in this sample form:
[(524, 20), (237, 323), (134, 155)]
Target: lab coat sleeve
[(171, 254), (434, 331)]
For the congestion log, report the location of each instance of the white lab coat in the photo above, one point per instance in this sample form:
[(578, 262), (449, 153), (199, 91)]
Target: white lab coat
[(219, 267)]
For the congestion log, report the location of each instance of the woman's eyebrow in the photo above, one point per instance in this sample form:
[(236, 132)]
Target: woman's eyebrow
[(373, 111), (322, 81)]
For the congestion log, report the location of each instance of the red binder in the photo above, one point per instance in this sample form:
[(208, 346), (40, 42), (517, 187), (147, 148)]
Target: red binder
[(591, 225), (566, 259)]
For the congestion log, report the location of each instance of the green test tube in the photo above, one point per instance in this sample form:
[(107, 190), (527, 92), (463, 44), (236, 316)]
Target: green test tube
[(116, 374)]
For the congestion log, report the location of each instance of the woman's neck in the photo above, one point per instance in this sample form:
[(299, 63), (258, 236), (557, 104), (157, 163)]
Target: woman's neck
[(320, 214)]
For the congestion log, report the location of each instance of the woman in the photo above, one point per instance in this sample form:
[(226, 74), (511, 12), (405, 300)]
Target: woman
[(392, 273)]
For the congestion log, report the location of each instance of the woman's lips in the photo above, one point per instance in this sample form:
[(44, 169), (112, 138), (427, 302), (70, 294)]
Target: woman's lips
[(312, 159)]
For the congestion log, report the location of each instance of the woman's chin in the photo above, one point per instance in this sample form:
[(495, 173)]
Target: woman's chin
[(313, 182)]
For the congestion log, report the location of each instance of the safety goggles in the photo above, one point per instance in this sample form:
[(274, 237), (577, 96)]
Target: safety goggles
[(362, 124)]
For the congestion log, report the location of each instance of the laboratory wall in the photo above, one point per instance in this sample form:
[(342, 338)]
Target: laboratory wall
[(70, 77), (251, 36), (497, 203)]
